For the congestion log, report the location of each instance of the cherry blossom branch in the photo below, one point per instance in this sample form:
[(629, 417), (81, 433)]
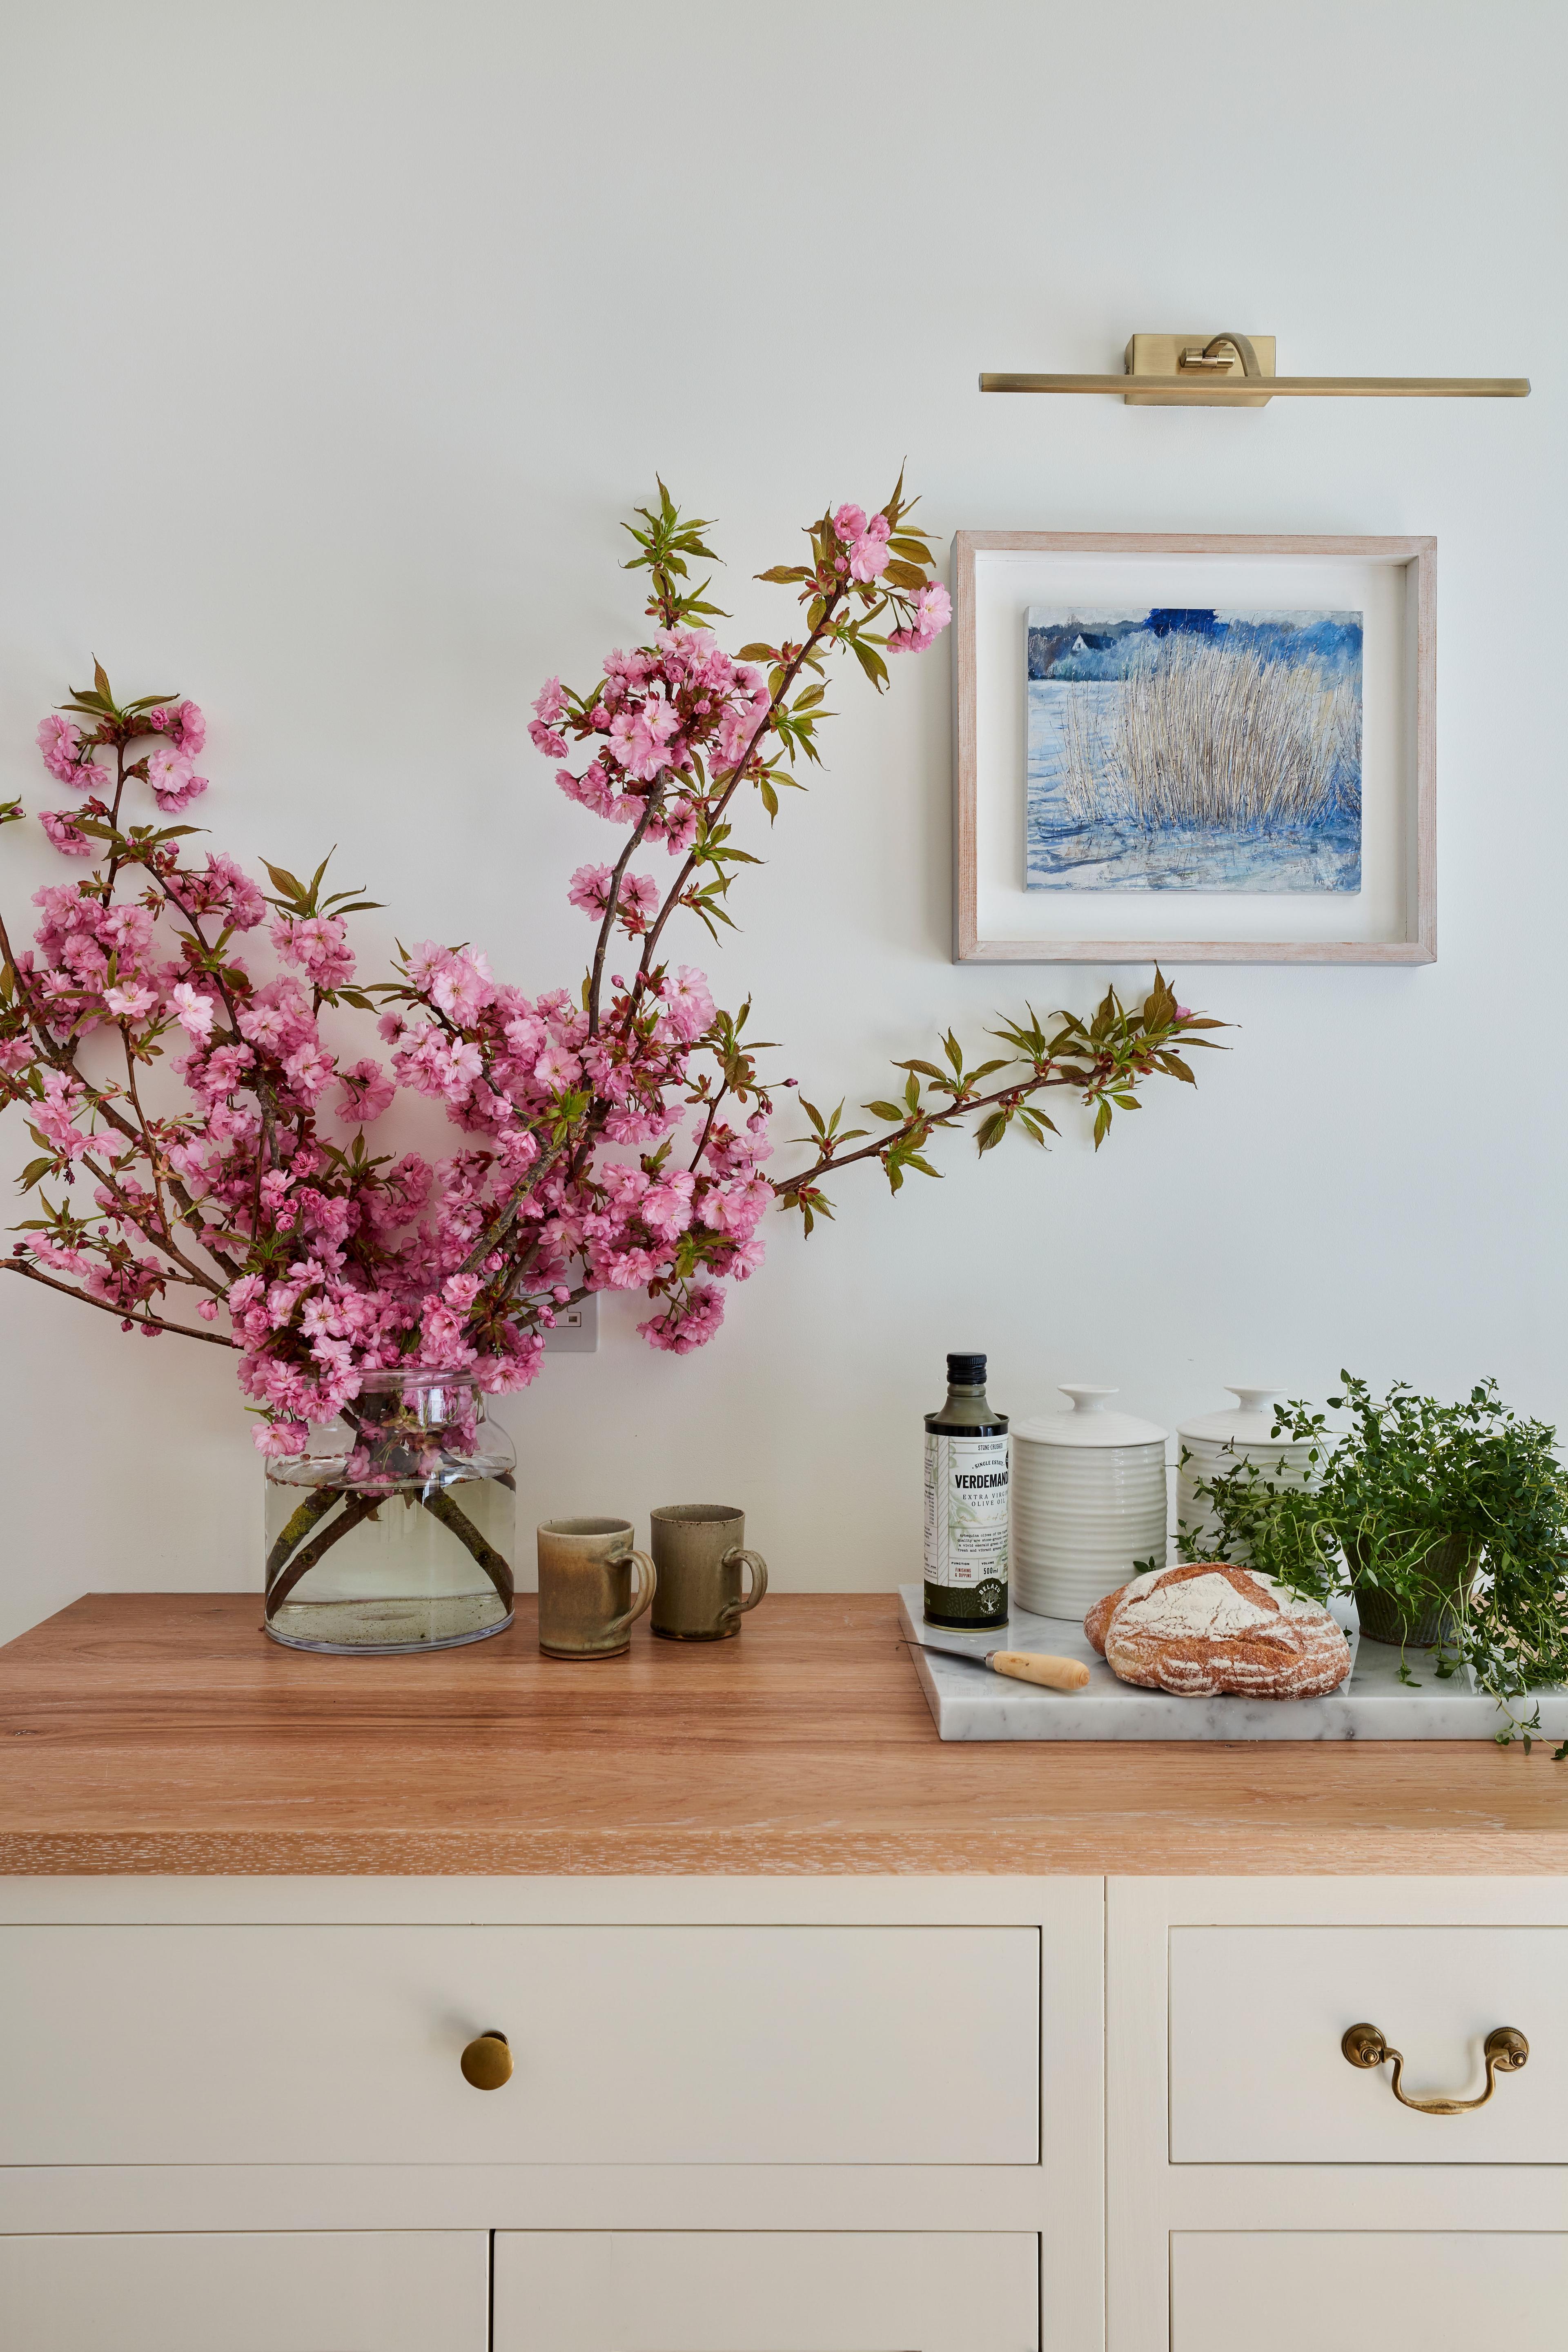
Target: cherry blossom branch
[(607, 926), (737, 777), (143, 1317)]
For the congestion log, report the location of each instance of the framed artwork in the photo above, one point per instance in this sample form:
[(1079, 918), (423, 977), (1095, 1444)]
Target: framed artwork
[(1188, 749)]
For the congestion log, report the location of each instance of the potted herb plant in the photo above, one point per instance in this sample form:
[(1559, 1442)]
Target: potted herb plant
[(1448, 1522)]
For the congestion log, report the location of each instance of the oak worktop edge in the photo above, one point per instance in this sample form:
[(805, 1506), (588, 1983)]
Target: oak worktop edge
[(159, 1734)]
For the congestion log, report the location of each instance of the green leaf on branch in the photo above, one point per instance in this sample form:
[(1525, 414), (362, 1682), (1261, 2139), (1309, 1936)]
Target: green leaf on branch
[(1101, 1124), (870, 661)]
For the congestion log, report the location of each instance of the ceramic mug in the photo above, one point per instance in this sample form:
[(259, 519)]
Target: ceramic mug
[(585, 1604), (698, 1551)]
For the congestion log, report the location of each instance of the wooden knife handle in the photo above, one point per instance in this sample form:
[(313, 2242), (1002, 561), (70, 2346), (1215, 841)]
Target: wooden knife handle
[(1032, 1666)]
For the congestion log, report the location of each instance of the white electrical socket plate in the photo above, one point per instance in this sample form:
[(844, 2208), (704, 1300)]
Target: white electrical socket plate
[(575, 1331)]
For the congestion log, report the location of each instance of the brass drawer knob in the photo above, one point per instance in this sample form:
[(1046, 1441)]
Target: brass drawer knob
[(487, 2061), (1505, 2051)]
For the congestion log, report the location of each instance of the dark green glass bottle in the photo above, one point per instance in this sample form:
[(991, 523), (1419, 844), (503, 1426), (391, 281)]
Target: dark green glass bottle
[(966, 1504)]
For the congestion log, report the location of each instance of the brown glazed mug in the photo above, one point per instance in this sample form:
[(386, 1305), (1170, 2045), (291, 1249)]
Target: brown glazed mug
[(698, 1551), (585, 1604)]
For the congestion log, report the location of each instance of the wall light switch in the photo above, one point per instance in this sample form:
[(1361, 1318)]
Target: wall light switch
[(575, 1331)]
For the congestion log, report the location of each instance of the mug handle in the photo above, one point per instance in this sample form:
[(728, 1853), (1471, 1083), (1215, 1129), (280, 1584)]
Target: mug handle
[(739, 1556), (647, 1580)]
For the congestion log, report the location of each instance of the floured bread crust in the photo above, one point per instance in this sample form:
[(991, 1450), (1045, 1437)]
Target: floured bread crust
[(1212, 1630)]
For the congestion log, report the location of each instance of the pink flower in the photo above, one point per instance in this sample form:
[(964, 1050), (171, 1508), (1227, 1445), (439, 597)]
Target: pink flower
[(638, 900), (550, 702), (688, 1008), (309, 1071), (849, 522), (173, 785), (59, 740), (869, 556), (556, 1069), (631, 1269), (1184, 1011), (931, 613), (56, 824), (462, 986), (666, 1206), (640, 738), (130, 1003), (745, 1258), (592, 789), (318, 945), (281, 1437), (682, 1328), (193, 1011), (190, 727), (590, 888), (367, 1091)]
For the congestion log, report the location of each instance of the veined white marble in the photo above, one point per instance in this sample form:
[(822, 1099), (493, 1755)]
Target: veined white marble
[(971, 1703)]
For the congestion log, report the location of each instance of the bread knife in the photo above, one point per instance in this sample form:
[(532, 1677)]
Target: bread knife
[(1024, 1665)]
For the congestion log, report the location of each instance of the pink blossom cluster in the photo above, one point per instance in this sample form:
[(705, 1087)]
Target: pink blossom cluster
[(655, 712), (865, 553), (930, 613), (612, 1140), (330, 1270)]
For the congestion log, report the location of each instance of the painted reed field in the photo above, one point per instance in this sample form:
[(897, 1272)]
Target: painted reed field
[(1208, 736)]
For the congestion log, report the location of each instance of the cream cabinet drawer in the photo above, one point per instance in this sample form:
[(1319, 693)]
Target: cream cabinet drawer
[(631, 2045), (370, 2290), (1365, 2291), (1256, 2016), (779, 2291)]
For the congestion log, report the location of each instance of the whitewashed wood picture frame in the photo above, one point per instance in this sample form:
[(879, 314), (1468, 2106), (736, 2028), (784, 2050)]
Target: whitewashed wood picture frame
[(997, 576)]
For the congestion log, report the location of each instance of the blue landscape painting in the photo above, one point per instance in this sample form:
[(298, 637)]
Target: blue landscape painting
[(1193, 750)]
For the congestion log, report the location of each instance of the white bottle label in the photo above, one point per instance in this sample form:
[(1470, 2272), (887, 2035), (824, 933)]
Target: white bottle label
[(966, 1510)]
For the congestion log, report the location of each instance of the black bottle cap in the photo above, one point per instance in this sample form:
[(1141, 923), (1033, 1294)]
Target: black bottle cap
[(966, 1372)]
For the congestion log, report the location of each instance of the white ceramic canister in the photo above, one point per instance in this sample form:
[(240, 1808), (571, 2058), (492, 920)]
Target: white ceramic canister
[(1089, 1503), (1220, 1442)]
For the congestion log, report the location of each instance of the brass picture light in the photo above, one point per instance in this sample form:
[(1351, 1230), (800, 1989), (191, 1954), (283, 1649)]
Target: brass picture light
[(1232, 371)]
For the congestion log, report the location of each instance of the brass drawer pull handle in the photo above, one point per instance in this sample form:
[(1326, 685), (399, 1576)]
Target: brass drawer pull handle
[(487, 2061), (1505, 2051)]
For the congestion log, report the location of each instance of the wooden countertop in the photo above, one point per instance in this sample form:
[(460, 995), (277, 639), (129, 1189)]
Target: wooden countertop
[(153, 1732)]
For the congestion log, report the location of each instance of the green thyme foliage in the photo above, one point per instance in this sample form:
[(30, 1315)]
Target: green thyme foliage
[(1408, 1475)]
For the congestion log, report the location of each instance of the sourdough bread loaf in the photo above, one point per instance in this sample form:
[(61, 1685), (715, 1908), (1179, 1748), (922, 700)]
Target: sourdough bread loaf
[(1212, 1629)]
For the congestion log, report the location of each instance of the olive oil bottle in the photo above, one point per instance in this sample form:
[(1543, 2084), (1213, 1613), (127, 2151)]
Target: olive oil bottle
[(966, 1504)]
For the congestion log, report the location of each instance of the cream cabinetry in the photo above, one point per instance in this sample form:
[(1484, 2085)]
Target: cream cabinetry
[(751, 2291), (336, 2043), (1365, 2291), (1261, 2187), (318, 2291), (811, 2114), (1257, 2015)]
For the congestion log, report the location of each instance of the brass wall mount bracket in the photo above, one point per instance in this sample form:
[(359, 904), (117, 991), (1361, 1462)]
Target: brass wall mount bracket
[(1505, 2051), (1190, 369)]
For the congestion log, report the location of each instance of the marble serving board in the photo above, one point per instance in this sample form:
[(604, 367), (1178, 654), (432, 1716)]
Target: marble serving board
[(1371, 1703)]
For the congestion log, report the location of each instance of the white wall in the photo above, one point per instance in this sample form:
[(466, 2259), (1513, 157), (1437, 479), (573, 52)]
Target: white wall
[(338, 336)]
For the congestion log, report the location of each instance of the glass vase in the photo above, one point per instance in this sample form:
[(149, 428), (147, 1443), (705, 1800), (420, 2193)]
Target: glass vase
[(395, 1529)]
